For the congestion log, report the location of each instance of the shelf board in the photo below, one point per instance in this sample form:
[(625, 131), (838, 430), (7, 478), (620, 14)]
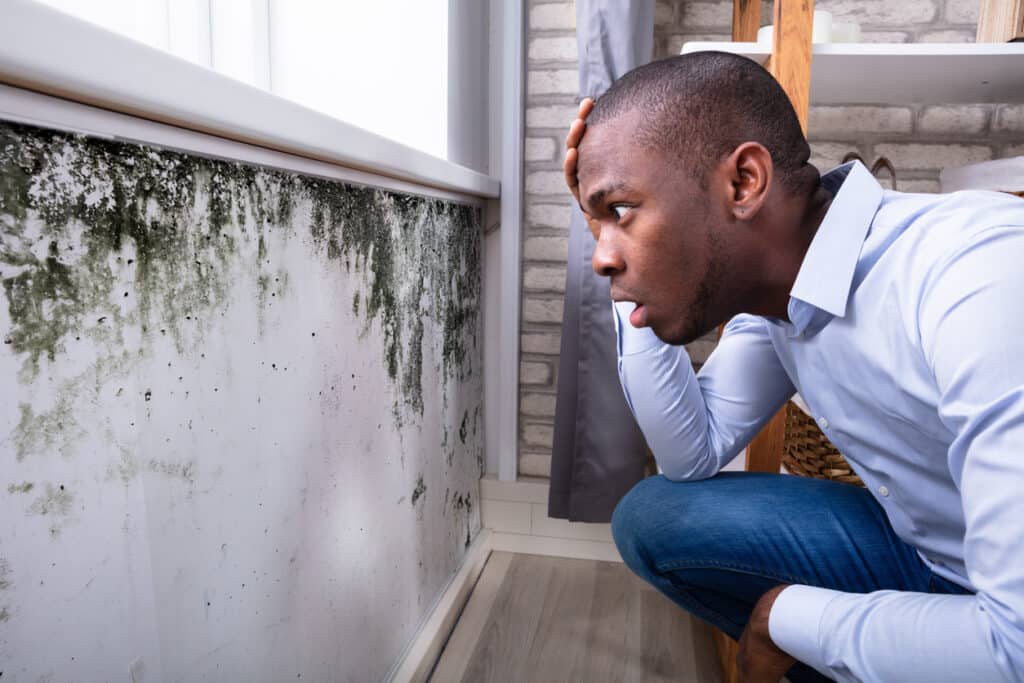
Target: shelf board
[(902, 73)]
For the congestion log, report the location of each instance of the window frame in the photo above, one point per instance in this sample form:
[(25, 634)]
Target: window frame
[(89, 64)]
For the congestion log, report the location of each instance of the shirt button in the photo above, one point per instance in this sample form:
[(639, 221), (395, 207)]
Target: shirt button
[(823, 422), (884, 492)]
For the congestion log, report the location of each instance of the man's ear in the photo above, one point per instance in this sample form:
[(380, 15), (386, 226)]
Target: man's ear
[(748, 173)]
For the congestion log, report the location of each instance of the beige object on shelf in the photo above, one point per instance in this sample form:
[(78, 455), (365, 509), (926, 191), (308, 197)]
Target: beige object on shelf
[(821, 29)]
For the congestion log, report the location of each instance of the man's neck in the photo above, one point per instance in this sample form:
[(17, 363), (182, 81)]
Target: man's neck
[(785, 248)]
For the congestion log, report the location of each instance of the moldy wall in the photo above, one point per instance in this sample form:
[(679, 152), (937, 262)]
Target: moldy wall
[(241, 419)]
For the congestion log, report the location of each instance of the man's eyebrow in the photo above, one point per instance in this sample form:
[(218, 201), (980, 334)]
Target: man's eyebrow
[(598, 195)]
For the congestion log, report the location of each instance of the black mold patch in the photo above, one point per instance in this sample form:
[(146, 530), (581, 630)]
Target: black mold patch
[(420, 489), (174, 470)]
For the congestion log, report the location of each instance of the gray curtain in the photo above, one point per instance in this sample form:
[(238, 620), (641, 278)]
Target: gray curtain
[(598, 452)]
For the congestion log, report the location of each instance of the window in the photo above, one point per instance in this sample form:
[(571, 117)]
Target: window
[(382, 65)]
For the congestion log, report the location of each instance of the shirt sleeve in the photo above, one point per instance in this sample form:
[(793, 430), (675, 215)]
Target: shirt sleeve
[(970, 325), (696, 423)]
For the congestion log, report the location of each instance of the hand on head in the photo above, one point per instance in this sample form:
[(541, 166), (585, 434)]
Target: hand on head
[(572, 142)]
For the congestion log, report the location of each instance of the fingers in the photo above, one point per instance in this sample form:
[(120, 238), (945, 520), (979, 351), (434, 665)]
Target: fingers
[(569, 169), (580, 124), (572, 141), (586, 105)]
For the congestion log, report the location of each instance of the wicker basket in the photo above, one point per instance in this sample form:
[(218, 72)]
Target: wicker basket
[(809, 453)]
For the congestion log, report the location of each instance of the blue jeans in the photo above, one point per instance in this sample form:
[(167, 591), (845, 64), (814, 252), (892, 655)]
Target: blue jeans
[(716, 546)]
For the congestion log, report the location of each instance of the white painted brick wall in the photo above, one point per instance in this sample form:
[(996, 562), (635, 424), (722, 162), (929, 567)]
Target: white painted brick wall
[(544, 278), (552, 82), (546, 249), (547, 183), (555, 16), (962, 12), (549, 215), (539, 149), (555, 49), (1010, 119), (544, 343), (538, 434), (924, 156), (552, 116), (955, 120), (855, 121), (888, 13), (918, 140), (537, 310), (534, 372), (538, 405), (947, 36)]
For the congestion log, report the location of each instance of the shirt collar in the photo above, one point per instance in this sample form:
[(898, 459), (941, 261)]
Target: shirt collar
[(826, 274)]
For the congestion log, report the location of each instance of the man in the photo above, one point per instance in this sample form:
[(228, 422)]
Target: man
[(897, 317)]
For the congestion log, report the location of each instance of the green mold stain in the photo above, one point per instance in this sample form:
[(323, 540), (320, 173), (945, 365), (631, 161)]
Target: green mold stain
[(23, 487), (55, 502), (51, 430), (174, 470), (99, 237)]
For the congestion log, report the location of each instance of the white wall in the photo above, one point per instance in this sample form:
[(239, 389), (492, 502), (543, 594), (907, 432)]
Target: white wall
[(209, 471)]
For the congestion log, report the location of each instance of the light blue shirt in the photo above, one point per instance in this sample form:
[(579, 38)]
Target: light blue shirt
[(905, 341)]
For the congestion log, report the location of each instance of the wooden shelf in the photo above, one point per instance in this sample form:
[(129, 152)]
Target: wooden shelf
[(902, 73)]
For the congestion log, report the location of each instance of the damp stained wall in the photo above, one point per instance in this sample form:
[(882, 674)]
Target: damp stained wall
[(240, 418)]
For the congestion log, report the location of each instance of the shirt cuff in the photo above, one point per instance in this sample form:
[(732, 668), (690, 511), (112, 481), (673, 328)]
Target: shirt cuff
[(794, 622), (631, 339)]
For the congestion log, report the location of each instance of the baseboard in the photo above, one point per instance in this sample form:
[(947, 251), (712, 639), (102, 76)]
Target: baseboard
[(419, 657), (517, 513)]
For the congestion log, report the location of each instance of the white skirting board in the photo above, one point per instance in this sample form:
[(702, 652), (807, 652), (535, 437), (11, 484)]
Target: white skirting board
[(416, 663)]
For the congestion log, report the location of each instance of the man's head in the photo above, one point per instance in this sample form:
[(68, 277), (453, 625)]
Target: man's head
[(678, 160)]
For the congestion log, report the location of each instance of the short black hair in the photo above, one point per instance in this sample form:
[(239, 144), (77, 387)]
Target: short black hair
[(700, 106)]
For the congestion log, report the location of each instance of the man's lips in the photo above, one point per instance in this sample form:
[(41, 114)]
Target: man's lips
[(638, 318)]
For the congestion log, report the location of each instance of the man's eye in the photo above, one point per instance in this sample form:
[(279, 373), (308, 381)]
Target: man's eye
[(620, 209)]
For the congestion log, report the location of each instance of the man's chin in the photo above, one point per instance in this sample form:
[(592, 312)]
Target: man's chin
[(679, 336), (673, 337)]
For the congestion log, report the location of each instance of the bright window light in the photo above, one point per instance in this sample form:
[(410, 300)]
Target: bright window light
[(381, 65)]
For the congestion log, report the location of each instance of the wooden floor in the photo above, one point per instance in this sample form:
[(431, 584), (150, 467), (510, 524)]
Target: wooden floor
[(540, 619)]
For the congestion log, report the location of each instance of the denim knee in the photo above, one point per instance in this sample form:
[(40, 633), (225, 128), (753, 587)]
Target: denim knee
[(629, 520)]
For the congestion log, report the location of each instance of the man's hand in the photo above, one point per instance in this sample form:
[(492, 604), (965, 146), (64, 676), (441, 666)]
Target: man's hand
[(572, 141), (759, 659)]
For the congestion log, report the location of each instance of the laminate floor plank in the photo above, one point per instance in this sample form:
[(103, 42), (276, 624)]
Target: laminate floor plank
[(538, 619), (562, 631), (508, 636)]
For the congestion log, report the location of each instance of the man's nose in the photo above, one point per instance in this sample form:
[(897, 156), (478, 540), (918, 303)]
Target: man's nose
[(607, 259)]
